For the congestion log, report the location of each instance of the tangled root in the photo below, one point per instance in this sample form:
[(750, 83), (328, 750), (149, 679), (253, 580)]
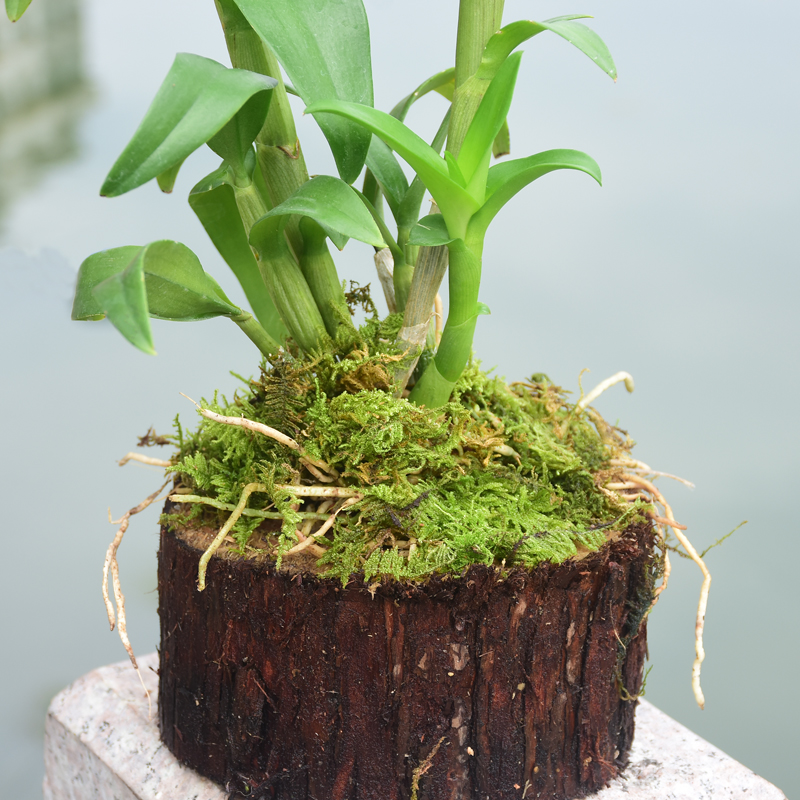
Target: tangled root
[(119, 619), (631, 486)]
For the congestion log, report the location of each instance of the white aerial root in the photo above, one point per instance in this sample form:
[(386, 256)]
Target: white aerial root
[(119, 620), (602, 386), (265, 430), (155, 462), (636, 483), (326, 526)]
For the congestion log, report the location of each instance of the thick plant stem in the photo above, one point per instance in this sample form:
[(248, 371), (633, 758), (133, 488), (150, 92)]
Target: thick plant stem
[(477, 21), (279, 155), (437, 382), (290, 293), (320, 274)]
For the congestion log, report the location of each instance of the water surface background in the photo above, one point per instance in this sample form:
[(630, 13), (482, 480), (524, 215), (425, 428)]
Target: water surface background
[(682, 269)]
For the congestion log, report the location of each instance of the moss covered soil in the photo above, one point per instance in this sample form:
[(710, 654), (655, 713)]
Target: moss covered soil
[(503, 475)]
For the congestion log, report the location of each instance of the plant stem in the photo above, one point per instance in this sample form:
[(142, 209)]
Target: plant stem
[(428, 273), (323, 281), (290, 292), (437, 382), (257, 335), (477, 21)]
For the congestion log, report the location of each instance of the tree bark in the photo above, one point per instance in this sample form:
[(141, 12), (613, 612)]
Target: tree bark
[(471, 687)]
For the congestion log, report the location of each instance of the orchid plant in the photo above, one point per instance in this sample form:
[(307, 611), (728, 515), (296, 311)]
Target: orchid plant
[(272, 224)]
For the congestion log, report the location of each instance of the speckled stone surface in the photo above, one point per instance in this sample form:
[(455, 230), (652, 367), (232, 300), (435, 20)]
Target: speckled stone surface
[(101, 744)]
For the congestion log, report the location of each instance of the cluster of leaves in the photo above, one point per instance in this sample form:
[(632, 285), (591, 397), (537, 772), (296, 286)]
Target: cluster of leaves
[(456, 482)]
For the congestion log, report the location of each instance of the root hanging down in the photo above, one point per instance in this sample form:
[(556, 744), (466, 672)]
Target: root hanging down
[(119, 619), (631, 486)]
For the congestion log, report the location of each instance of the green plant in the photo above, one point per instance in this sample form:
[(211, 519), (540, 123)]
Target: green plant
[(271, 223), (554, 464)]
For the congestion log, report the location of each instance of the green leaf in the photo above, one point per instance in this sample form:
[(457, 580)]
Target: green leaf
[(234, 142), (335, 207), (511, 36), (383, 165), (213, 200), (166, 180), (455, 203), (326, 55), (443, 83), (123, 298), (162, 280), (454, 170), (505, 180), (196, 100), (94, 270), (178, 287), (488, 122), (430, 231), (502, 142), (16, 8)]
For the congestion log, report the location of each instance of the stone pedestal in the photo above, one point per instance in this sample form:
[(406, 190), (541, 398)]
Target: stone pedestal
[(101, 741)]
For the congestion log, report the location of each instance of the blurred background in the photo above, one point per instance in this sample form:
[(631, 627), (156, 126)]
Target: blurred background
[(682, 269)]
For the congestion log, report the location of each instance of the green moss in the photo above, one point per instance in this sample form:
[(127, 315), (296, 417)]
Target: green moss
[(501, 475)]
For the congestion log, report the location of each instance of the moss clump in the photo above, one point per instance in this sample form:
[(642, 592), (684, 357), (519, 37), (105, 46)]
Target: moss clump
[(501, 475)]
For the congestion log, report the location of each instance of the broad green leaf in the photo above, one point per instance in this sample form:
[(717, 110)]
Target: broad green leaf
[(16, 8), (324, 50), (214, 201), (123, 298), (178, 287), (488, 121), (506, 179), (455, 203), (383, 165), (196, 100), (335, 207), (511, 36), (430, 231), (94, 270), (234, 142)]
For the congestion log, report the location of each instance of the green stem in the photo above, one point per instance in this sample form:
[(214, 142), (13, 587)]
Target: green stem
[(280, 158), (437, 382), (290, 291), (257, 335), (477, 21), (323, 281)]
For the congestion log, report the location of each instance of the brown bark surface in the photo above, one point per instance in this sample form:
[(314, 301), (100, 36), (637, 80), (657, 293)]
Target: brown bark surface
[(479, 687)]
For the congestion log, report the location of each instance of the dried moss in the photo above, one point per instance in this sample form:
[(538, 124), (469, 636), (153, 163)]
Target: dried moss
[(501, 475)]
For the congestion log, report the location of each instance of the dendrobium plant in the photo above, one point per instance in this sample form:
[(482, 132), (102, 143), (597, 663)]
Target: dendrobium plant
[(272, 223)]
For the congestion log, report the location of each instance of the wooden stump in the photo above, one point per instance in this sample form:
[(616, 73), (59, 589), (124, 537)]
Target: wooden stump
[(467, 687)]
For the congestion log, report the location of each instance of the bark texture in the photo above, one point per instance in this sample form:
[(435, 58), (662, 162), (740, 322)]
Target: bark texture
[(475, 687)]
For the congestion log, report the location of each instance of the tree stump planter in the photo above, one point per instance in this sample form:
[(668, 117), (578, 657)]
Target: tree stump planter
[(475, 686)]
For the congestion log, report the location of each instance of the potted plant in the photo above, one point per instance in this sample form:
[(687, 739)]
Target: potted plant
[(382, 571)]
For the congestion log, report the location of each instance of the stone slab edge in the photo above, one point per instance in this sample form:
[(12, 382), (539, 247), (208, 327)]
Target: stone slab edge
[(102, 742)]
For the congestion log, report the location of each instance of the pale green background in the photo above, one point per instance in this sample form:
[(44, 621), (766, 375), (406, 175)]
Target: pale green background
[(683, 270)]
